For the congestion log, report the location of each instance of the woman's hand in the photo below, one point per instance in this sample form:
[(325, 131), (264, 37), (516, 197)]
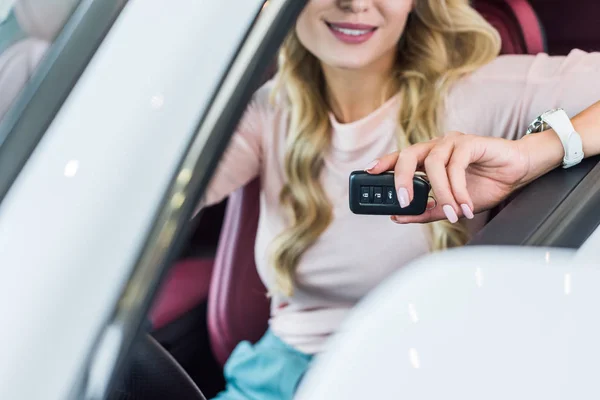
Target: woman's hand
[(468, 173)]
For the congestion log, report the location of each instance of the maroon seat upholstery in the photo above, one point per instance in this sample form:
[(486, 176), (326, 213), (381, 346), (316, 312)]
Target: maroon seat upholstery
[(569, 24), (185, 286), (238, 307), (517, 23)]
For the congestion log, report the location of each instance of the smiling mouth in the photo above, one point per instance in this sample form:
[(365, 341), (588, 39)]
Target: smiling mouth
[(356, 30)]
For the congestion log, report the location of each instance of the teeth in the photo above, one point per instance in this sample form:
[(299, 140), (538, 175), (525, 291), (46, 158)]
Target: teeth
[(351, 32)]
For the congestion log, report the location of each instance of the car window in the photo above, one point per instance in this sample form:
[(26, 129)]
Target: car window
[(10, 30), (44, 47)]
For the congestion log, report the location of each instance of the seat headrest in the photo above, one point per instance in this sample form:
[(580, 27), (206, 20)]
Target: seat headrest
[(517, 23), (5, 9), (43, 19)]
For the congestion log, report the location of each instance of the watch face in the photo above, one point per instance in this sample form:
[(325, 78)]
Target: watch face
[(536, 126), (539, 124)]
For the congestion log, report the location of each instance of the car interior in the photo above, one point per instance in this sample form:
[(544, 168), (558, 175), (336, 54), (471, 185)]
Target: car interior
[(212, 297)]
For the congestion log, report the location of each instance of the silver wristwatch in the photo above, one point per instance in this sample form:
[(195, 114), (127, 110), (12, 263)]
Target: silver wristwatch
[(559, 121)]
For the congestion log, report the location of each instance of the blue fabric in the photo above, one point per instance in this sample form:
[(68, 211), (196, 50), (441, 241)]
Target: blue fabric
[(268, 370)]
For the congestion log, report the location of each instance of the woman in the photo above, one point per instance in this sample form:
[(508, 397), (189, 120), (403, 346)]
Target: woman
[(358, 80)]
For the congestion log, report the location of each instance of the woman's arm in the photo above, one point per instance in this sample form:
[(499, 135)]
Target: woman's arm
[(471, 173), (545, 149), (242, 160), (502, 98)]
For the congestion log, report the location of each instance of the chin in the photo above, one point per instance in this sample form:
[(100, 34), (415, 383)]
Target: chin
[(347, 63)]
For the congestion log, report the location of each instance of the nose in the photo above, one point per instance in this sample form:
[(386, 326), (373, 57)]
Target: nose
[(354, 6)]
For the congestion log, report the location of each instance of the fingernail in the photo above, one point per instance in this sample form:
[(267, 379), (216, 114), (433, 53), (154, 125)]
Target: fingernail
[(467, 211), (450, 213), (372, 165), (403, 197)]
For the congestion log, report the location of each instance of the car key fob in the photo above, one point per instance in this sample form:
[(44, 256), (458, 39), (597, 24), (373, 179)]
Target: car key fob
[(376, 195)]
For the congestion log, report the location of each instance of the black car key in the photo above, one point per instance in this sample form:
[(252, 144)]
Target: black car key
[(376, 195)]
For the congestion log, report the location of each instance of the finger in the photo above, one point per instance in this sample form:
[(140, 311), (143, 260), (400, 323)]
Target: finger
[(407, 163), (431, 205), (435, 214), (383, 164), (435, 166), (388, 162), (371, 167), (457, 174)]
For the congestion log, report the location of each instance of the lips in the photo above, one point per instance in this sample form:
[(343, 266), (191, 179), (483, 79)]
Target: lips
[(351, 33)]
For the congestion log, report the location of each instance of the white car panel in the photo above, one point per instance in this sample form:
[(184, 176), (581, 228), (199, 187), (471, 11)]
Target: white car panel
[(478, 322), (97, 178), (589, 252)]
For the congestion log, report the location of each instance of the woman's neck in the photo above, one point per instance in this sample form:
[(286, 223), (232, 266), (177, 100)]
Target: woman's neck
[(354, 94)]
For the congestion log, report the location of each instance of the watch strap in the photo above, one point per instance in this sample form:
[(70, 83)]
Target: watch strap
[(559, 121)]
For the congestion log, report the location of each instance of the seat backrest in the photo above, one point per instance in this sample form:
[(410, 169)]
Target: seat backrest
[(10, 31), (238, 308), (516, 22), (39, 21), (570, 24), (43, 19)]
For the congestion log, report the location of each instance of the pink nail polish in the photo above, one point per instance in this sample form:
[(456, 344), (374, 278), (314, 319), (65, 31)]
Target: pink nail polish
[(403, 197), (450, 213), (372, 165), (467, 211)]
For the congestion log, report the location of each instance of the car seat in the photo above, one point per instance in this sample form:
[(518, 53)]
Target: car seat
[(569, 24), (36, 24)]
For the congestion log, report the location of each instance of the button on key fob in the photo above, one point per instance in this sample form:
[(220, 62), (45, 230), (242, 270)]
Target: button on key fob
[(376, 195)]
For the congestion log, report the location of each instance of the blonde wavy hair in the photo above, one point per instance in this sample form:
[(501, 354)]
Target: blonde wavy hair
[(443, 40)]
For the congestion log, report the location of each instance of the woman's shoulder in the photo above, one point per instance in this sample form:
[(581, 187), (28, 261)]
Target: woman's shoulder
[(509, 77), (266, 113), (269, 97)]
